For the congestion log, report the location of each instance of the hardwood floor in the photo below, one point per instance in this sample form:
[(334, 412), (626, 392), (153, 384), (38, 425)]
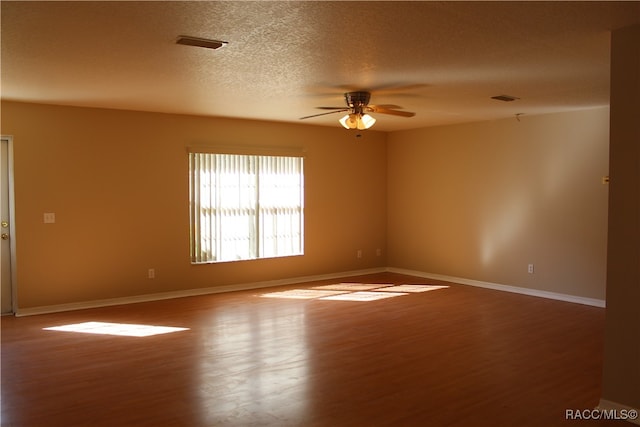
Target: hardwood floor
[(460, 356)]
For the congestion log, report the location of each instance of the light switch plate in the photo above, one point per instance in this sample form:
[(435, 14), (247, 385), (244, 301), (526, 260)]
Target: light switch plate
[(49, 217)]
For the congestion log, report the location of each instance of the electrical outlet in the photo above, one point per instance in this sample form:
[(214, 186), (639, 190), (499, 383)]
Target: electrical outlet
[(530, 268), (359, 253), (152, 273), (378, 252)]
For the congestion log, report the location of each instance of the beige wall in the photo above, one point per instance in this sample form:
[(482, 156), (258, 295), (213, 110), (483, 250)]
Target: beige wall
[(118, 184), (483, 200)]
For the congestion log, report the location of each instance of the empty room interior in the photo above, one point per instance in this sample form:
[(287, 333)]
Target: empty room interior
[(319, 213)]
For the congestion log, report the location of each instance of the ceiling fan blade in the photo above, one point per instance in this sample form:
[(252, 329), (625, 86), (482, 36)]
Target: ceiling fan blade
[(381, 110), (385, 106), (330, 108), (324, 114)]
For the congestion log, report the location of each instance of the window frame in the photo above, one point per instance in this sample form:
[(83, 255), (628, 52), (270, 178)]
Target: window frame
[(211, 254)]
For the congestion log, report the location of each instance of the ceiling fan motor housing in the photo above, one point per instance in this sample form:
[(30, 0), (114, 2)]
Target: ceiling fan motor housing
[(357, 100)]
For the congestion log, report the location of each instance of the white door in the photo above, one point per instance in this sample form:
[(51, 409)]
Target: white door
[(6, 296)]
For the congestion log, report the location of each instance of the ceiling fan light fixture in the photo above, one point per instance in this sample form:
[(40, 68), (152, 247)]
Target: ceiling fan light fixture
[(357, 121), (348, 121), (366, 121)]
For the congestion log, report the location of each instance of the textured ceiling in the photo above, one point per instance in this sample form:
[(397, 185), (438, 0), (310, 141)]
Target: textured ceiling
[(442, 60)]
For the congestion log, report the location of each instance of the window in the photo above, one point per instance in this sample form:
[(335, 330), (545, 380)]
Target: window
[(245, 206)]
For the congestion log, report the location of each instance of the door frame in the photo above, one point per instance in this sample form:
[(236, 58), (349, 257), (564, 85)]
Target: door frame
[(12, 224)]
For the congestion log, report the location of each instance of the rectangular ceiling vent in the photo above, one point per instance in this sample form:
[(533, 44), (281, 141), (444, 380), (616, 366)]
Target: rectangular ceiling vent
[(505, 98), (200, 42)]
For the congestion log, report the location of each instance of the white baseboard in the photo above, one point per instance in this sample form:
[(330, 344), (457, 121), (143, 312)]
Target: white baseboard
[(189, 292), (619, 410), (506, 288)]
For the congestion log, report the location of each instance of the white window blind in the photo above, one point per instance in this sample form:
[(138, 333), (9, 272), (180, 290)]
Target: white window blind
[(245, 206)]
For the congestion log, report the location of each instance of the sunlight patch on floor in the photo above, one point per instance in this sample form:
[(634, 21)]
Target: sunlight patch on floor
[(363, 296), (412, 288), (121, 329), (302, 294), (353, 291), (353, 286)]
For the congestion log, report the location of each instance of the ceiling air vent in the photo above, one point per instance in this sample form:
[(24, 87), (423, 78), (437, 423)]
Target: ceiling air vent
[(505, 98), (200, 42)]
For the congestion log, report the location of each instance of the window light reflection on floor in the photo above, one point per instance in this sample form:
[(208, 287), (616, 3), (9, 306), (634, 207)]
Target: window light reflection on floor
[(302, 294), (121, 329), (353, 286), (353, 291), (363, 296), (411, 288)]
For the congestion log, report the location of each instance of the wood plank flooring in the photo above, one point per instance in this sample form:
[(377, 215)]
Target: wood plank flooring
[(460, 356)]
